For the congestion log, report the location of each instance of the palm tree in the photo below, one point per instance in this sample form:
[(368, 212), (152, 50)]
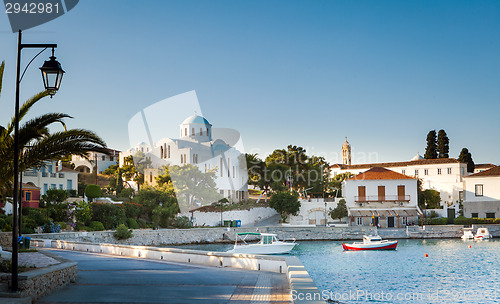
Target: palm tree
[(40, 145)]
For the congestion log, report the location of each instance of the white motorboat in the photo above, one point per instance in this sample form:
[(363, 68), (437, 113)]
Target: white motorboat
[(268, 244), (468, 234), (482, 234), (371, 242)]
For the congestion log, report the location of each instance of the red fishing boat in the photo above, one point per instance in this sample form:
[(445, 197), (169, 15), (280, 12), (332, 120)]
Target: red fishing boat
[(371, 242)]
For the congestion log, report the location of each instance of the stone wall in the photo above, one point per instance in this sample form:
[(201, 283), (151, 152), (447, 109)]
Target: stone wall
[(6, 239), (39, 282), (163, 237)]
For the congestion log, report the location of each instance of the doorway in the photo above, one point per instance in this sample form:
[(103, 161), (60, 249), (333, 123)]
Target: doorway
[(390, 222)]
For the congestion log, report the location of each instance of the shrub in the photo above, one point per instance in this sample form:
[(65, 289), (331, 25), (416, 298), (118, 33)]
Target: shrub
[(182, 222), (132, 224), (122, 232), (51, 227), (96, 226), (462, 220), (110, 215), (126, 193), (73, 193), (62, 225), (142, 223), (92, 191)]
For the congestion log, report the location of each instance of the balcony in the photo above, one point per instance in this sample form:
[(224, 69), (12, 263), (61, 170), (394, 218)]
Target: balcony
[(29, 173), (385, 198)]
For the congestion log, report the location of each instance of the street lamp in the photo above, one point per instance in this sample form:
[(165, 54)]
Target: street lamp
[(52, 75)]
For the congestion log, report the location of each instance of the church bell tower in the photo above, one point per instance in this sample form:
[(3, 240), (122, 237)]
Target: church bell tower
[(346, 153)]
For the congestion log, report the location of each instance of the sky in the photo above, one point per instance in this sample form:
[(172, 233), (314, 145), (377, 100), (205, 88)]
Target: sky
[(306, 73)]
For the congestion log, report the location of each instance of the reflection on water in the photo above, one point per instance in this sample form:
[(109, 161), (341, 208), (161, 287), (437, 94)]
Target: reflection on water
[(453, 273)]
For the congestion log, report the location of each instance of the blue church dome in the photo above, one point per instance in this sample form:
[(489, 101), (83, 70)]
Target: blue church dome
[(195, 119)]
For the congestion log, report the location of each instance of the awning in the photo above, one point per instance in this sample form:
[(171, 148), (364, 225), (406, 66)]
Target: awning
[(378, 212)]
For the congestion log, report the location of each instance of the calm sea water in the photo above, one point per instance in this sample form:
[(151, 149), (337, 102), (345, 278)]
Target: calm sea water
[(452, 272)]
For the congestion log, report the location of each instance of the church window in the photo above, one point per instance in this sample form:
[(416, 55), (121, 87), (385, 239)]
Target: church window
[(426, 171), (228, 170), (185, 131), (192, 132), (201, 131), (161, 152), (439, 171), (208, 133), (449, 170)]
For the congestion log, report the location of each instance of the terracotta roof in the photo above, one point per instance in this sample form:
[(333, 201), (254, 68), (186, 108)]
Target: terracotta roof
[(480, 166), (380, 173), (495, 171), (399, 164), (66, 170), (28, 186)]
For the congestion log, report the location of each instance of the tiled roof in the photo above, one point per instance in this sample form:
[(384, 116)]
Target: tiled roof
[(495, 171), (67, 170), (480, 166), (436, 161), (380, 173), (28, 186)]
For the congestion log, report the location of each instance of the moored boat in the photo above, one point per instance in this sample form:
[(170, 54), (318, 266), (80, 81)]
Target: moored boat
[(268, 244), (371, 242), (468, 234), (482, 234)]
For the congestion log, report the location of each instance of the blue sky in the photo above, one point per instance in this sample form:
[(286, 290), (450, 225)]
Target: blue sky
[(306, 73)]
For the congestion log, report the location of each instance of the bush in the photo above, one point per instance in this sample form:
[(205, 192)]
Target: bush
[(73, 193), (433, 221), (132, 224), (62, 225), (142, 223), (126, 193), (92, 191), (182, 222), (462, 220), (110, 215), (122, 233), (51, 227), (96, 226)]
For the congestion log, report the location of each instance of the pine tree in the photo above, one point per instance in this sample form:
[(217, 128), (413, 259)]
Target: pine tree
[(466, 157), (430, 150), (443, 144)]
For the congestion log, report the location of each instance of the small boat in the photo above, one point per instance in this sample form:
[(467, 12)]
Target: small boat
[(468, 235), (482, 234), (268, 244), (371, 242)]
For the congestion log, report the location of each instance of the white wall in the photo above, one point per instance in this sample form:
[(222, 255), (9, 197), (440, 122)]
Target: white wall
[(489, 202), (247, 217), (313, 212)]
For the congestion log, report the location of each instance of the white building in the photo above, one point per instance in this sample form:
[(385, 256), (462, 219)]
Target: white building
[(313, 211), (443, 174), (52, 176), (198, 146), (482, 167), (482, 194), (381, 197), (103, 161)]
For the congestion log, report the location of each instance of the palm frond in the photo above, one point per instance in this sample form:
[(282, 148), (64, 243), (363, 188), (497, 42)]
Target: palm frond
[(38, 127), (25, 108), (2, 67)]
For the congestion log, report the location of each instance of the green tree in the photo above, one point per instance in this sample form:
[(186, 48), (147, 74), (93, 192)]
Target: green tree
[(340, 211), (429, 199), (119, 182), (431, 149), (40, 145), (54, 196), (285, 203), (191, 184), (337, 182), (466, 157), (122, 232), (93, 191), (443, 144), (111, 170)]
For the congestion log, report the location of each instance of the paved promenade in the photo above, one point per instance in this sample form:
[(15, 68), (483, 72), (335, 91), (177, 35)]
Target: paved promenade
[(109, 279)]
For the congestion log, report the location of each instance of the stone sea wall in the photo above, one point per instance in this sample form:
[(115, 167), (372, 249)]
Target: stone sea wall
[(149, 237)]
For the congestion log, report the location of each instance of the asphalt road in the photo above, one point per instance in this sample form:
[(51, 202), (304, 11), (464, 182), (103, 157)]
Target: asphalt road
[(109, 279)]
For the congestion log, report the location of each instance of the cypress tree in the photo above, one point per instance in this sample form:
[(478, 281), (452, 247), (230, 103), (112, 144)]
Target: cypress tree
[(430, 150), (466, 157), (443, 144), (119, 182)]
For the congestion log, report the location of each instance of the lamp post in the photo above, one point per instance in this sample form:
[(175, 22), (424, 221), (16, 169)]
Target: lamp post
[(52, 75)]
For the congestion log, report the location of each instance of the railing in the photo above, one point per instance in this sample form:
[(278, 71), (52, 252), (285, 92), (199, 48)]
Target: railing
[(29, 173), (386, 198)]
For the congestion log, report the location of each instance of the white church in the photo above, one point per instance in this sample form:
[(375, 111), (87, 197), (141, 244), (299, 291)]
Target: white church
[(207, 148)]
